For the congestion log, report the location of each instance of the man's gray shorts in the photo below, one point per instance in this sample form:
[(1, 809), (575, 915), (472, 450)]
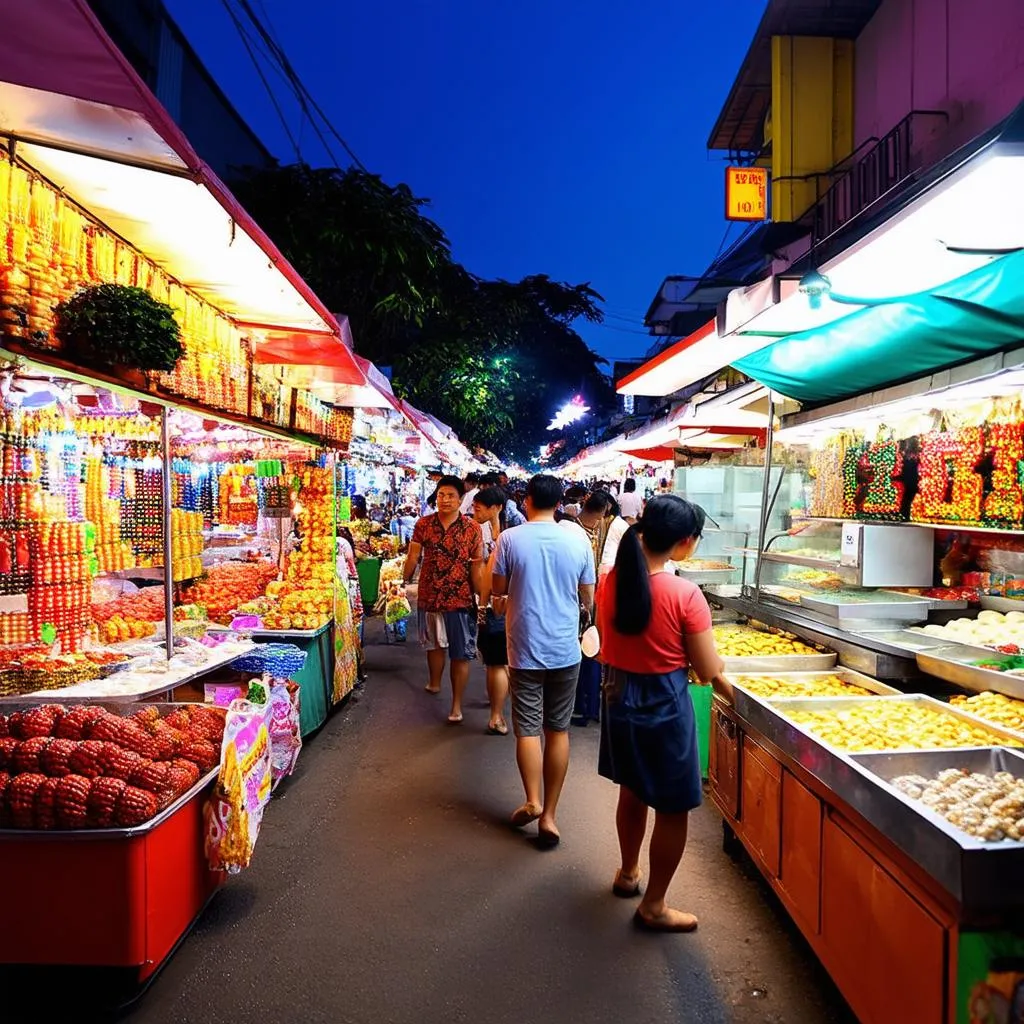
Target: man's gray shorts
[(542, 698)]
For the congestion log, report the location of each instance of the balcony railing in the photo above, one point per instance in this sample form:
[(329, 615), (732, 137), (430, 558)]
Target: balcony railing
[(859, 182)]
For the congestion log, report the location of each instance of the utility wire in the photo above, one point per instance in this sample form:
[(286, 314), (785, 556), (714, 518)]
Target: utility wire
[(263, 79), (306, 99)]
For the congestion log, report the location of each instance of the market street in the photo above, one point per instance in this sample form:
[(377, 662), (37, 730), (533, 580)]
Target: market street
[(386, 888)]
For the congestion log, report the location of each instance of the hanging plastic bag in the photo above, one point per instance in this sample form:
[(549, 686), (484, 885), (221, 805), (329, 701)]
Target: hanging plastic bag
[(285, 730), (397, 609), (234, 812)]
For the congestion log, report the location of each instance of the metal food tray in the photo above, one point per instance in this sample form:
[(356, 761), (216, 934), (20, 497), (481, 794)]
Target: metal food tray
[(905, 638), (754, 663), (1002, 604), (704, 577), (63, 835), (893, 608), (742, 696), (934, 603), (784, 704), (845, 775), (952, 663), (982, 875)]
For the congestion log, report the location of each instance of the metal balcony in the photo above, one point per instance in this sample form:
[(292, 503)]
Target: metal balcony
[(860, 181)]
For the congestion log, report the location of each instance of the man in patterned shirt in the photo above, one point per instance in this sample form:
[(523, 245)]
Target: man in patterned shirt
[(451, 546)]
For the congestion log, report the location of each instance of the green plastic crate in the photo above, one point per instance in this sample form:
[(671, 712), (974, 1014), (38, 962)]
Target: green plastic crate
[(701, 698)]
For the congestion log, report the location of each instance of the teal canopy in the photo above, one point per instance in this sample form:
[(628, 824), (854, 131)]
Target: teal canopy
[(898, 339)]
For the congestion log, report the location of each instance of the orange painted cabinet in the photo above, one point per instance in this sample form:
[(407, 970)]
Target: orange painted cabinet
[(724, 761), (761, 781), (884, 950), (800, 860)]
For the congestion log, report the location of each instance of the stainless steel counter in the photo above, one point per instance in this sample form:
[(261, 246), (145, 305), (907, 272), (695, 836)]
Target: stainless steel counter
[(982, 876), (861, 652)]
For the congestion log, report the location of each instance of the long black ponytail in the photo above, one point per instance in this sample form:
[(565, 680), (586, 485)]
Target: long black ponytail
[(667, 520)]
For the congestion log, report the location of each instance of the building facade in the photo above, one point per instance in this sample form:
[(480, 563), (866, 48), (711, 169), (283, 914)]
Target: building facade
[(145, 33)]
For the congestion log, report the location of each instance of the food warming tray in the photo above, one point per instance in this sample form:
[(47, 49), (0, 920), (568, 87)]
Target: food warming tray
[(905, 638), (755, 663), (952, 663), (706, 577), (889, 607), (959, 866), (742, 695), (982, 875)]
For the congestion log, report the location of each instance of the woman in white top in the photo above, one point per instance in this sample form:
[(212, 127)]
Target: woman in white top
[(630, 503)]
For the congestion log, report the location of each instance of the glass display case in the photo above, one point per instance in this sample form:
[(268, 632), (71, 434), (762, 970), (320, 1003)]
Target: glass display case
[(732, 497), (849, 572)]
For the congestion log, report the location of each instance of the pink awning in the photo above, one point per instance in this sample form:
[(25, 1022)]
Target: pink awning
[(84, 119)]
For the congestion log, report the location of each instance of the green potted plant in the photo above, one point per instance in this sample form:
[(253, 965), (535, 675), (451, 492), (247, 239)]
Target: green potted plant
[(119, 328)]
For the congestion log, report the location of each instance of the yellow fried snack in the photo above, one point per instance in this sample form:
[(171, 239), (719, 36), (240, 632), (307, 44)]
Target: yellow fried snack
[(817, 686), (744, 642), (891, 725), (996, 707)]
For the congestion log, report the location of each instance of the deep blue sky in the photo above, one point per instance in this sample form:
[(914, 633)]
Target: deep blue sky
[(553, 136)]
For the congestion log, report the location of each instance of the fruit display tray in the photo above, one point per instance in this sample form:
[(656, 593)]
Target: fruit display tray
[(981, 874), (957, 862), (117, 708), (952, 662)]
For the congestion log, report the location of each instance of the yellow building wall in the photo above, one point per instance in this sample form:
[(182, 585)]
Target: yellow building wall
[(811, 118)]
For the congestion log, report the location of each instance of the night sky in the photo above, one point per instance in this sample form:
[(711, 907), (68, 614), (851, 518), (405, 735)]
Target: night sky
[(560, 137)]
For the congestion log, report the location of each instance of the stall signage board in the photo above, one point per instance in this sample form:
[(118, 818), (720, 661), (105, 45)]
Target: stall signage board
[(746, 193)]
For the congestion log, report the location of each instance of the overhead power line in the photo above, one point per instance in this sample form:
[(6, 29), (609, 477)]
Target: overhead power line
[(263, 78), (307, 101)]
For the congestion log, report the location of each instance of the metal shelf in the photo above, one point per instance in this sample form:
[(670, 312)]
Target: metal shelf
[(807, 561), (928, 526)]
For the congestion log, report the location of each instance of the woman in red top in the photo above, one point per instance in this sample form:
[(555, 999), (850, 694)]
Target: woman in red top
[(654, 627)]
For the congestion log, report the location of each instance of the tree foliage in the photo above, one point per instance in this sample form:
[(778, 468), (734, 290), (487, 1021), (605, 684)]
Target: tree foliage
[(495, 359)]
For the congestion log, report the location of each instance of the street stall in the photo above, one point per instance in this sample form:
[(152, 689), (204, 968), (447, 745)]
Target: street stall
[(135, 292), (267, 514), (882, 796)]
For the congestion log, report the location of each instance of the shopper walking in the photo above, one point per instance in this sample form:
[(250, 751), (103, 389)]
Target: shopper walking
[(654, 626), (547, 573), (630, 503), (469, 489), (604, 529), (488, 511), (451, 546)]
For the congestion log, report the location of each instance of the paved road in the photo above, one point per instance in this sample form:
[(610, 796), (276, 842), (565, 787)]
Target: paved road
[(387, 889)]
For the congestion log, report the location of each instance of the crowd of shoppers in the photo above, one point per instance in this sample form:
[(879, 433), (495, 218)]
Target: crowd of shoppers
[(518, 585)]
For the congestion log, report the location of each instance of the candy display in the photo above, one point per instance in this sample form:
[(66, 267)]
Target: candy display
[(300, 608), (892, 724), (238, 499), (87, 767), (995, 707), (988, 807), (280, 661), (881, 469), (1004, 503), (744, 641), (825, 685), (228, 585), (966, 474), (35, 667), (186, 544)]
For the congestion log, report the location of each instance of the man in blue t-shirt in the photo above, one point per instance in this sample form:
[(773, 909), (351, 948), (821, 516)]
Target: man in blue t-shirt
[(547, 573)]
